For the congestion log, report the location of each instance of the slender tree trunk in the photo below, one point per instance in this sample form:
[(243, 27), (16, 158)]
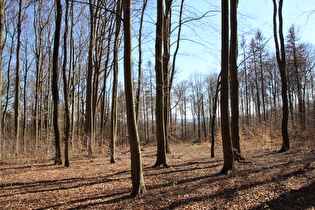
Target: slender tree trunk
[(247, 117), (17, 82), (72, 80), (258, 102), (115, 85), (5, 108), (38, 54), (66, 89), (1, 50), (55, 85), (25, 103), (225, 130), (178, 40), (144, 5), (166, 70), (234, 82), (214, 116), (204, 121), (160, 115), (89, 89), (263, 88), (138, 186), (281, 60)]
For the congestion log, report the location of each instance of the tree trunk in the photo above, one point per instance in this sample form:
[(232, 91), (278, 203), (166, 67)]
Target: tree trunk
[(225, 130), (89, 124), (138, 186), (234, 82), (204, 121), (17, 82), (38, 29), (281, 60), (25, 102), (160, 115), (214, 116), (144, 5), (55, 85), (166, 70), (1, 50), (66, 89), (115, 86)]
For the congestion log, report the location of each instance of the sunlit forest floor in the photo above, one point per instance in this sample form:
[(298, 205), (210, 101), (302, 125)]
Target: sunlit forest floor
[(265, 180)]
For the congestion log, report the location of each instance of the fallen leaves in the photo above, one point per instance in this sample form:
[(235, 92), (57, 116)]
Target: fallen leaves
[(192, 182)]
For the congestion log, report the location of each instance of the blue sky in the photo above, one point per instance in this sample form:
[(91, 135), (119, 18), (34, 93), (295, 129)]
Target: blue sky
[(203, 55)]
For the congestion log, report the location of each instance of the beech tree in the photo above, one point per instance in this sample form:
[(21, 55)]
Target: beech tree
[(1, 51), (166, 68), (90, 41), (234, 82), (17, 81), (89, 81), (215, 97), (144, 5), (138, 186), (224, 96), (114, 119), (281, 60), (160, 89), (55, 79), (66, 88)]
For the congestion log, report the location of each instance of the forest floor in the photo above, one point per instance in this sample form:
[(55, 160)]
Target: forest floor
[(265, 180)]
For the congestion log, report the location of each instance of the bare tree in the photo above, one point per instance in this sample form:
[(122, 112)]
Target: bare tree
[(281, 60), (214, 115), (138, 186), (224, 97), (114, 118), (234, 82), (55, 79), (144, 5), (1, 50), (89, 89), (160, 88), (17, 81), (296, 64), (66, 88), (166, 69)]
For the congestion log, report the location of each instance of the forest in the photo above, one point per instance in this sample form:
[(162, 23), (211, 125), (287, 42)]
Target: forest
[(94, 113)]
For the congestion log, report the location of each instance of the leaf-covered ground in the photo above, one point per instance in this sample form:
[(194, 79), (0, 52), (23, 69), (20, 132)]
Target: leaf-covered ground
[(265, 180)]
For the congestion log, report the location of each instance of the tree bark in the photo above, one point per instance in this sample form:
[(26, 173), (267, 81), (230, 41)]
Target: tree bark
[(55, 85), (160, 100), (66, 89), (17, 82), (138, 186), (89, 124), (166, 69), (1, 50), (281, 60), (224, 97), (144, 5), (115, 85), (234, 83), (214, 116)]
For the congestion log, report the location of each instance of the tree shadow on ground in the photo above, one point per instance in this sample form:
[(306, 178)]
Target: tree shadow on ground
[(123, 196), (294, 199), (302, 198), (33, 167), (56, 185), (183, 178)]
